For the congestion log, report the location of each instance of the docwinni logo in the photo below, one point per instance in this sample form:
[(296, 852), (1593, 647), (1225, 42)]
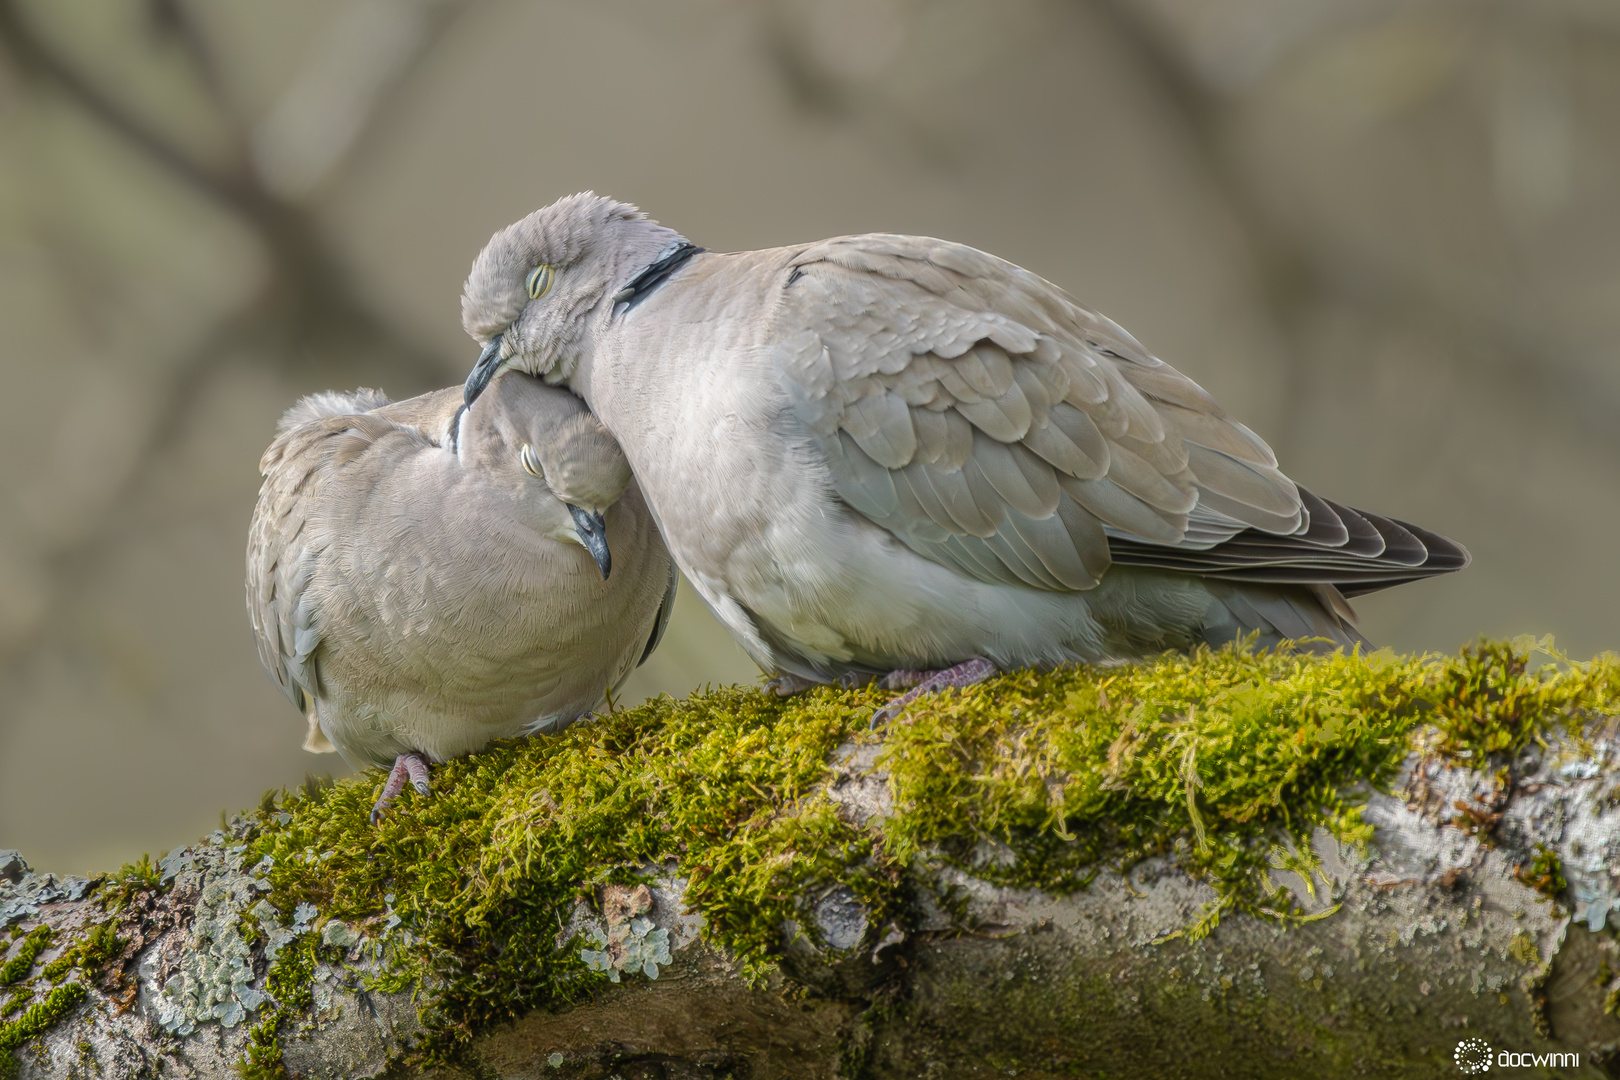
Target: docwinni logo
[(1474, 1056)]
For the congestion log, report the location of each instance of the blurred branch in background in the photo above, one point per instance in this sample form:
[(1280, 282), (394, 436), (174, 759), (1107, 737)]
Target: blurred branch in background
[(307, 302), (1367, 78)]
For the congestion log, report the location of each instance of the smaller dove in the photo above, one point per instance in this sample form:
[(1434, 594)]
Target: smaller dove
[(424, 579)]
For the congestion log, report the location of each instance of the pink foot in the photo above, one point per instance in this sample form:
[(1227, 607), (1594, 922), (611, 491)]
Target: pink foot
[(413, 766), (903, 679), (966, 673)]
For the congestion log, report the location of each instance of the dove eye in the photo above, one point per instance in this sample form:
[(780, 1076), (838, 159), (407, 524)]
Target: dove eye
[(531, 463), (538, 283)]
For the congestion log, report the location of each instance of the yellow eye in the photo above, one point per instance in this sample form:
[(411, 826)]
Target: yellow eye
[(531, 463), (538, 283)]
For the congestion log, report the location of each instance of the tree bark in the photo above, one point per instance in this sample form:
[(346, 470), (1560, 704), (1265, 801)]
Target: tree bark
[(1433, 936)]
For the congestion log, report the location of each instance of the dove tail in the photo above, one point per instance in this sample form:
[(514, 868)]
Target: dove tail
[(1316, 615)]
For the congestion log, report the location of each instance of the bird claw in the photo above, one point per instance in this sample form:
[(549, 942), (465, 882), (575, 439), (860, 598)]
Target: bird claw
[(412, 767), (786, 685), (966, 673)]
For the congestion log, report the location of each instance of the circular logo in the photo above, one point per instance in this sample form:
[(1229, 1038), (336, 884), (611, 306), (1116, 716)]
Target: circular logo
[(1472, 1056)]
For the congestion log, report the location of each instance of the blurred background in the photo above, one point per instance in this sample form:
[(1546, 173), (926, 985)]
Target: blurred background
[(1384, 234)]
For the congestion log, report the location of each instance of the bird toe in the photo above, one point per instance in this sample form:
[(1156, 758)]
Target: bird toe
[(786, 685), (967, 673)]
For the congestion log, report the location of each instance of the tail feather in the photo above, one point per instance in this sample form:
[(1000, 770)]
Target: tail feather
[(1317, 616), (1356, 551)]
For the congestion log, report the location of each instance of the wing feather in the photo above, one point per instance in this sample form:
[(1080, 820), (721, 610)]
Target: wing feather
[(987, 369), (1082, 433), (1006, 418), (1264, 489), (1036, 393), (992, 424), (1032, 491), (972, 554), (1136, 475), (989, 501), (881, 426), (316, 439), (951, 487), (1122, 512), (932, 430), (1048, 538), (866, 485), (1010, 548), (915, 480)]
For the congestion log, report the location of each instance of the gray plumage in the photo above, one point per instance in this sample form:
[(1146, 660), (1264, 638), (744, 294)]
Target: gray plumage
[(418, 590), (880, 452)]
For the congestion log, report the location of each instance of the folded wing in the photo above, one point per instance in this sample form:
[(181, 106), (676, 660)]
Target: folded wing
[(995, 426), (323, 440)]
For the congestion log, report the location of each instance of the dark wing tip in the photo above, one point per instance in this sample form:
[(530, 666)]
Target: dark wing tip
[(1372, 552)]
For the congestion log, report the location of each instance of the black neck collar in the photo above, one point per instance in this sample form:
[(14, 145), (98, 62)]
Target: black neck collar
[(652, 277)]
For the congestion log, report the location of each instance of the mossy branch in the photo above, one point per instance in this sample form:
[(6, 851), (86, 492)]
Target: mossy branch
[(1240, 771)]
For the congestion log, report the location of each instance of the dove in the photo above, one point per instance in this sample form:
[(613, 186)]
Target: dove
[(423, 579), (900, 457)]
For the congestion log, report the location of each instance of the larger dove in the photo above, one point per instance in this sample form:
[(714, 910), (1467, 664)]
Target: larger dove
[(893, 454), (423, 579)]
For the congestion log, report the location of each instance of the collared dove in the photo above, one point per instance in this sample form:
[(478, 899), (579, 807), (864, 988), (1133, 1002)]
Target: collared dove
[(423, 579), (896, 454)]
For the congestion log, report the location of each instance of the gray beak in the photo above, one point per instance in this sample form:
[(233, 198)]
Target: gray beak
[(489, 362), (593, 534)]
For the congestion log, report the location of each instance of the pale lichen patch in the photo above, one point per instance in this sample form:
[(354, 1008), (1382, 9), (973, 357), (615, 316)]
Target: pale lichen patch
[(214, 978)]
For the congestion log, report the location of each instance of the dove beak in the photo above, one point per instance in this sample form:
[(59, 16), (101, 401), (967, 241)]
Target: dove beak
[(593, 534), (483, 372)]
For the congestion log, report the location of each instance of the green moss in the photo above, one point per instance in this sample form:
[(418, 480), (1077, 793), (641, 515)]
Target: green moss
[(1489, 701), (1231, 757), (39, 1019), (91, 952), (117, 888), (291, 989), (263, 1058), (37, 941), (485, 872), (1544, 873)]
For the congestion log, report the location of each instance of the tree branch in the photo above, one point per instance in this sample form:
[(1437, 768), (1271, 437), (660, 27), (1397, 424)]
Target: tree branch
[(1451, 927)]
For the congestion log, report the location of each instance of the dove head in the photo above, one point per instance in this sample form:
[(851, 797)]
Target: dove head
[(535, 288), (550, 435)]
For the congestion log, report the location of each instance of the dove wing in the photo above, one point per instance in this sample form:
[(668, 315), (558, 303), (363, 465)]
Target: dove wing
[(989, 422), (287, 537)]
